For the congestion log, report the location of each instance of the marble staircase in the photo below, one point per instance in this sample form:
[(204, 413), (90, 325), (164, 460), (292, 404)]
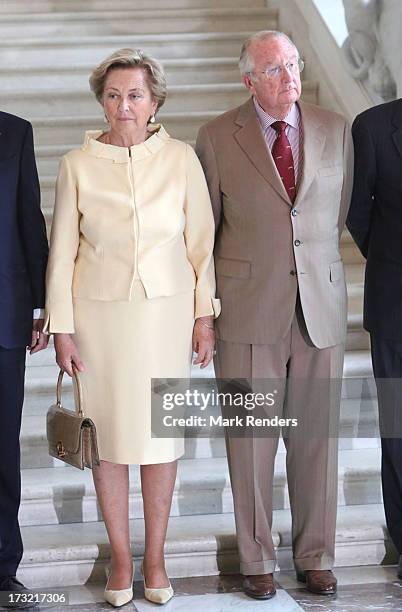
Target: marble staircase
[(47, 50)]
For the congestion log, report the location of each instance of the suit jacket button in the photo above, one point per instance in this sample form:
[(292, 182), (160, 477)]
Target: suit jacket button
[(297, 243), (294, 212), (293, 273)]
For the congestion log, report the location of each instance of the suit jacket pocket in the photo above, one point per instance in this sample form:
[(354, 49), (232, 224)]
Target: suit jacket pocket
[(234, 268), (335, 271)]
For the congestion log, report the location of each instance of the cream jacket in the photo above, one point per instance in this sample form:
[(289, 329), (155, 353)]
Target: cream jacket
[(124, 213)]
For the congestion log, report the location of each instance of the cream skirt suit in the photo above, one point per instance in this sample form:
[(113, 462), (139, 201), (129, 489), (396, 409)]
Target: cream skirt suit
[(130, 267)]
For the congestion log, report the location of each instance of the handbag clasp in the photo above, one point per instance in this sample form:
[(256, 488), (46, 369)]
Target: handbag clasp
[(60, 449)]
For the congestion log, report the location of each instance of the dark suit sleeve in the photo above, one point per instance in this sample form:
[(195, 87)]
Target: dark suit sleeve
[(362, 206), (31, 222), (207, 157), (347, 177)]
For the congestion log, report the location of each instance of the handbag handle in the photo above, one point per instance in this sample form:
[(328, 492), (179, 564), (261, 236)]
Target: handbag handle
[(76, 378)]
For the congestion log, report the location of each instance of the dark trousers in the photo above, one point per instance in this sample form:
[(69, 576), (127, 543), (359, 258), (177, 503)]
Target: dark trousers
[(387, 364), (12, 371)]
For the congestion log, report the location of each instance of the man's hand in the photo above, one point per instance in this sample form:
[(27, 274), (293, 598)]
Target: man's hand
[(67, 354), (203, 340), (39, 339)]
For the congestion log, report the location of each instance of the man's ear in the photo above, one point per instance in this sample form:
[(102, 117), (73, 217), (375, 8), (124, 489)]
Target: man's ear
[(248, 82)]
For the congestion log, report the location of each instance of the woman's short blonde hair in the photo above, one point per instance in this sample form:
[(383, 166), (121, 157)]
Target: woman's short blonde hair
[(131, 58)]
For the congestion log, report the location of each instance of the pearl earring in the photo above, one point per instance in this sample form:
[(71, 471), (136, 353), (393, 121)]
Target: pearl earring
[(152, 119)]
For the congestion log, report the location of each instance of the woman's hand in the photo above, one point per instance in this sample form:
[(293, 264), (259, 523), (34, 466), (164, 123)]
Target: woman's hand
[(67, 354), (204, 340), (39, 339)]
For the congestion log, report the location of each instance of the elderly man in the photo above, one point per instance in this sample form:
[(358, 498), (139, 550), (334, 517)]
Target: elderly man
[(376, 225), (279, 174), (23, 257)]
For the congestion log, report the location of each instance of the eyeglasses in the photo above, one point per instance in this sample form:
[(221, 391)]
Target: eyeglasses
[(274, 72)]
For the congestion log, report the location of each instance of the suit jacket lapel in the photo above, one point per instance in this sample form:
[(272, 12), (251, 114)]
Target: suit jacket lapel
[(251, 140), (313, 146), (397, 121)]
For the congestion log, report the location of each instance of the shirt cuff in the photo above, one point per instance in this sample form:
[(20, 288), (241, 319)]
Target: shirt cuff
[(39, 313)]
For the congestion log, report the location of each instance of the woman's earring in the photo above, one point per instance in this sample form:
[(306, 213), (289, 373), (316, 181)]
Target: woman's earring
[(152, 119)]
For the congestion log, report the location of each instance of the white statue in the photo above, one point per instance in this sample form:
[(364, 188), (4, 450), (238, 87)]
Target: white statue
[(372, 49)]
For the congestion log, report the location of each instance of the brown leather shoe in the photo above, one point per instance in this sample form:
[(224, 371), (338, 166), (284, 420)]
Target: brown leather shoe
[(320, 582), (261, 586)]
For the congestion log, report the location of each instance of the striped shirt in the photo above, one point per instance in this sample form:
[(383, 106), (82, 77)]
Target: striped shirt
[(294, 132)]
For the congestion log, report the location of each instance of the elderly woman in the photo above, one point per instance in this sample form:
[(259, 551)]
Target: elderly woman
[(130, 269)]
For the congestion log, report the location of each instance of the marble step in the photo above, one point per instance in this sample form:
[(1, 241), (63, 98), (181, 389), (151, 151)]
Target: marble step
[(67, 131), (349, 250), (132, 22), (42, 371), (67, 495), (358, 421), (210, 592), (62, 6), (179, 71), (200, 545), (55, 136), (357, 338), (81, 50), (47, 357), (354, 276), (183, 98)]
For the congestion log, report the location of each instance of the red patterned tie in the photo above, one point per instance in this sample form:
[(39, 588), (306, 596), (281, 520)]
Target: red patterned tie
[(283, 158)]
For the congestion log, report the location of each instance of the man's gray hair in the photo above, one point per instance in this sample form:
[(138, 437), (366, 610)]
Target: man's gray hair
[(246, 62)]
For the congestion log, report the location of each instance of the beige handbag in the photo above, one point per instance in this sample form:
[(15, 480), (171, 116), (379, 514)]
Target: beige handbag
[(71, 435)]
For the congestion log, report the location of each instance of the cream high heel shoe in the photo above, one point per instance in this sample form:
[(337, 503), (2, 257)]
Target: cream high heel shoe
[(158, 596), (120, 597)]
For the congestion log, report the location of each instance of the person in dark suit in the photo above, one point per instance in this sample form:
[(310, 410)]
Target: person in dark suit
[(375, 222), (23, 258)]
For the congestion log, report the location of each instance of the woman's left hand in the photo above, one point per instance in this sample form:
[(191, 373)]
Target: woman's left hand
[(204, 340)]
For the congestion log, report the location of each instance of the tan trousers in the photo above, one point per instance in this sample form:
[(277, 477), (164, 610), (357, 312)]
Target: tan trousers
[(311, 460)]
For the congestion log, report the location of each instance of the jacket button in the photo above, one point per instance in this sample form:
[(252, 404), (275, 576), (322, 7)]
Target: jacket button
[(293, 273), (294, 212), (297, 243)]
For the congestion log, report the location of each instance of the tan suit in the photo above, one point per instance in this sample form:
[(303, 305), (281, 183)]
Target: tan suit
[(281, 282)]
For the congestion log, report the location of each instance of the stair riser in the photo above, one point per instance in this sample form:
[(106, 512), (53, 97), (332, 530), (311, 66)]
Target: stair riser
[(210, 560), (66, 506), (178, 100), (357, 340), (64, 510), (44, 6), (128, 25), (65, 54), (34, 451), (183, 127), (182, 75), (351, 254), (34, 448), (58, 105)]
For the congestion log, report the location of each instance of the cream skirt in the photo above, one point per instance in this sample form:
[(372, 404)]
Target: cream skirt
[(123, 345)]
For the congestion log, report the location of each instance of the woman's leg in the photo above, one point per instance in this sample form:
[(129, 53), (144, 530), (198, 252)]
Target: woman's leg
[(112, 487), (157, 481)]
